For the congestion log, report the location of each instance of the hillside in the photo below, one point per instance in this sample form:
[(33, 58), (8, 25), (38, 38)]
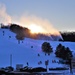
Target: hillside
[(24, 32), (23, 53)]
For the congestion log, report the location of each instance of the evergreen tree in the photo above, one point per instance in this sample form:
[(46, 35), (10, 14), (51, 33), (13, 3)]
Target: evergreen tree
[(46, 47), (63, 52)]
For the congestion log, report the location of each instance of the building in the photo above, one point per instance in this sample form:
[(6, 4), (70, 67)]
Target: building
[(19, 66)]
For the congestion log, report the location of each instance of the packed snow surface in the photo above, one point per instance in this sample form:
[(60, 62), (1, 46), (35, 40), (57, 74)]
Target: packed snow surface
[(23, 53)]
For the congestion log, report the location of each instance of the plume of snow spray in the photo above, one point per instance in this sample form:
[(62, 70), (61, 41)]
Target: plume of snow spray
[(4, 17), (47, 27), (26, 21)]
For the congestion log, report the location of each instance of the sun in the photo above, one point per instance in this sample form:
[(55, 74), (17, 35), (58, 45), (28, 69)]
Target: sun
[(35, 28)]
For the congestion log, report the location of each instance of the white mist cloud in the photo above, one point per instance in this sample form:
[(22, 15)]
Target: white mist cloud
[(4, 17), (45, 24), (26, 20)]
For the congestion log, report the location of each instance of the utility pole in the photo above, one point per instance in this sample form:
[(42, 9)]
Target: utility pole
[(11, 60), (70, 62)]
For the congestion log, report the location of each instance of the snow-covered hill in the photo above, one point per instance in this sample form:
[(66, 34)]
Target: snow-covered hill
[(23, 53)]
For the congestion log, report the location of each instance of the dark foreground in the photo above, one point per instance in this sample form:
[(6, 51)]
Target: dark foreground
[(27, 73)]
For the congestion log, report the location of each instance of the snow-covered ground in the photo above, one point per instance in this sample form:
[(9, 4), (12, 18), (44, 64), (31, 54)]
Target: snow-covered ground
[(23, 53)]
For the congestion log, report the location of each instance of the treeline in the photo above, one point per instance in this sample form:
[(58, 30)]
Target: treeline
[(68, 36), (23, 32)]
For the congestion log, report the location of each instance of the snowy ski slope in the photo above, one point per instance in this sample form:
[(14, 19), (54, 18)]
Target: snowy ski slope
[(23, 53)]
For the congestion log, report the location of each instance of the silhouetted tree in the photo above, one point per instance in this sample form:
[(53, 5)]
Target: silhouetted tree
[(68, 53), (46, 47), (19, 37), (21, 32), (63, 52), (68, 36)]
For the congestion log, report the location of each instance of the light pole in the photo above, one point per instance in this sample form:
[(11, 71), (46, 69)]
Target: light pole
[(10, 59), (46, 63), (70, 63)]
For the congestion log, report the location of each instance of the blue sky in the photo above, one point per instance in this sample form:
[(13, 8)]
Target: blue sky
[(61, 13)]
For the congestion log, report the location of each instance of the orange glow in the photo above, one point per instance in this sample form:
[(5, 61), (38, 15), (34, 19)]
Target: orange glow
[(36, 28)]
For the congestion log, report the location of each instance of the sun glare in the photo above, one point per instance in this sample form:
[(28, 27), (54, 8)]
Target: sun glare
[(36, 28)]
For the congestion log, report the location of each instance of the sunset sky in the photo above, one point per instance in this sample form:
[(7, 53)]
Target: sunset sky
[(60, 13)]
